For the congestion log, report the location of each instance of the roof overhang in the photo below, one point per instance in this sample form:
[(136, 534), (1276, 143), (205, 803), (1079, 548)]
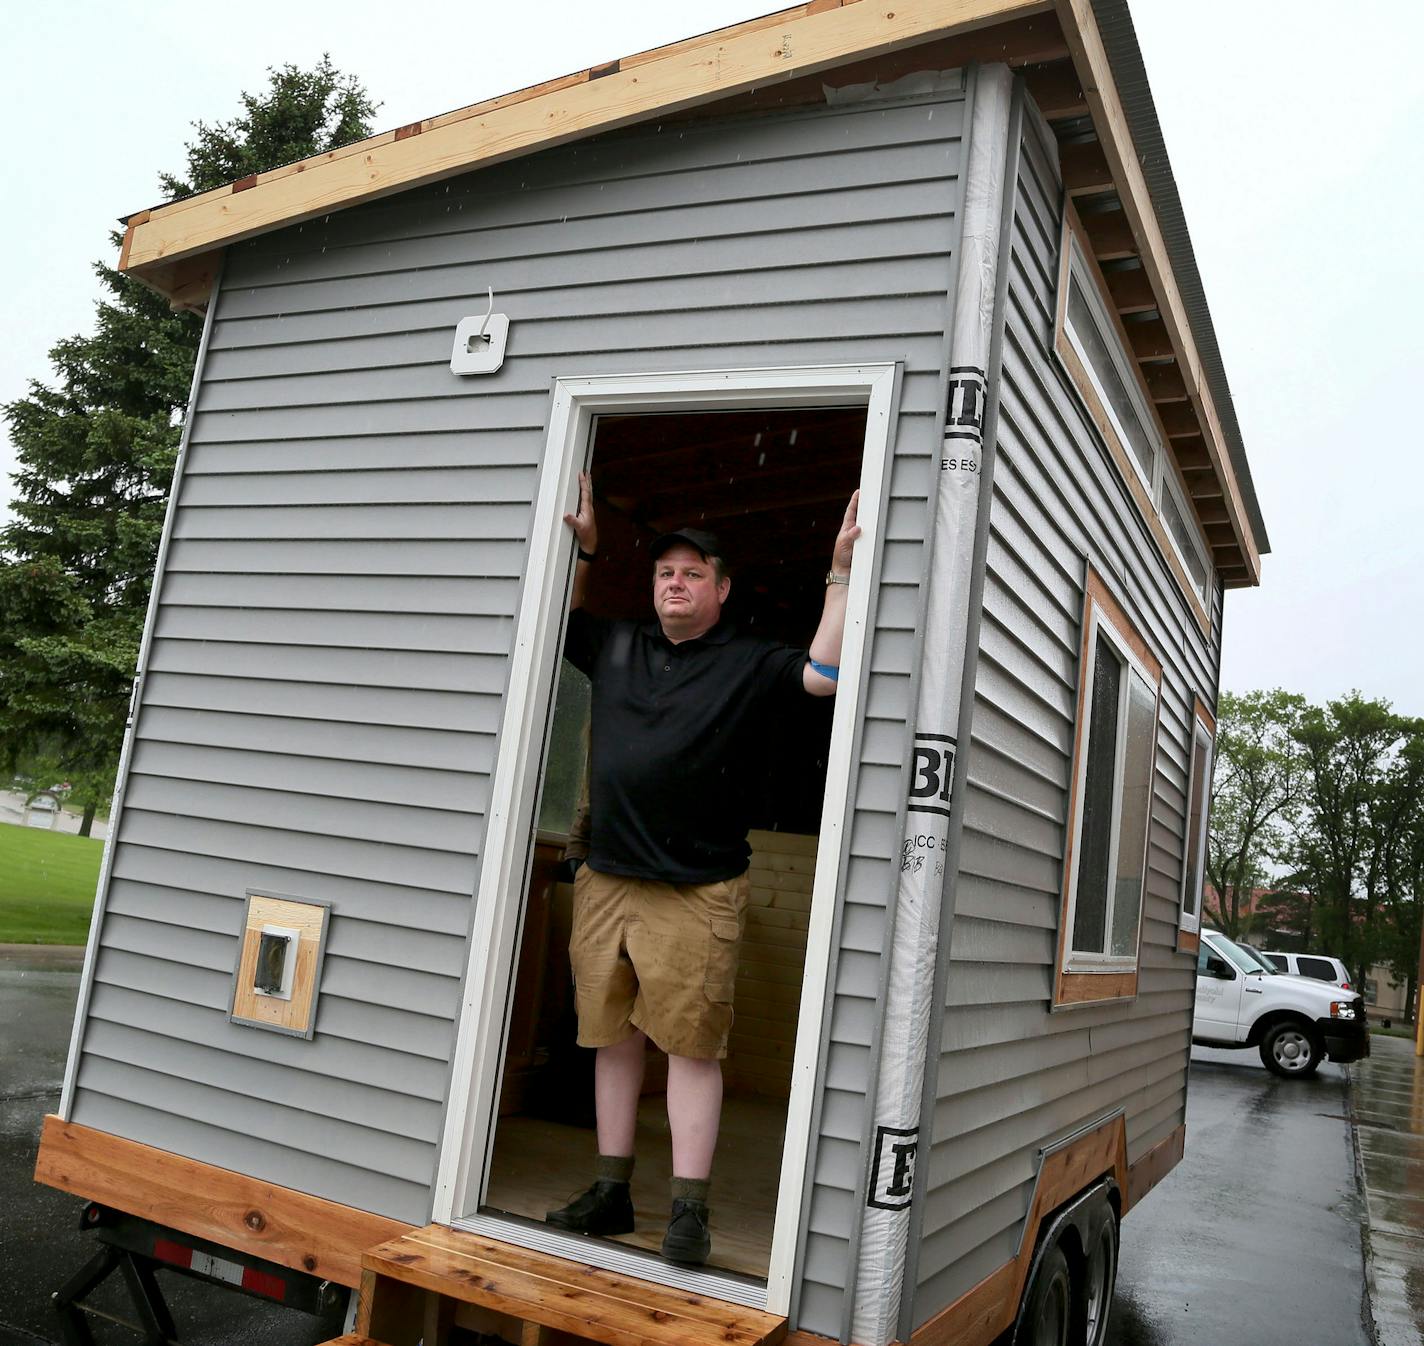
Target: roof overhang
[(1124, 191)]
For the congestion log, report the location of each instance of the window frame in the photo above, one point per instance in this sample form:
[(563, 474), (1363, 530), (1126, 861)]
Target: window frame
[(1077, 265), (1203, 730), (1082, 976)]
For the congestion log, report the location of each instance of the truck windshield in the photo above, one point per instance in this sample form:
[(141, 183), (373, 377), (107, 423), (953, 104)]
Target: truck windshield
[(1262, 965), (1245, 961)]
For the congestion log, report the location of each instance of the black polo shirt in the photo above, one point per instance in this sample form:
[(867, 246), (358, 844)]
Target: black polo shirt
[(677, 733)]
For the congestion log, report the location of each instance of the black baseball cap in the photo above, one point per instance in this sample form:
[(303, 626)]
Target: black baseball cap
[(696, 538)]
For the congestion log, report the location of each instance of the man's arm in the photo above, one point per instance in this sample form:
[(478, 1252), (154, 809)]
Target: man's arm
[(826, 644), (585, 528)]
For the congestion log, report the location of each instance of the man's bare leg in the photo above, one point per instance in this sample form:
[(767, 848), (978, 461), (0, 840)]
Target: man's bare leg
[(694, 1104), (617, 1085)]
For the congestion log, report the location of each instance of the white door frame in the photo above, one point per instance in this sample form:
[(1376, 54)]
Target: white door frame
[(469, 1124)]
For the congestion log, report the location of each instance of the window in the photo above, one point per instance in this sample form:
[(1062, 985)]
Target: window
[(1094, 350), (1277, 961), (1319, 968), (1198, 803), (1110, 806)]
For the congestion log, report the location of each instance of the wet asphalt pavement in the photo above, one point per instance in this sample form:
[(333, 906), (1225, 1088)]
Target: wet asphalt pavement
[(1388, 1108), (1254, 1238), (41, 1245)]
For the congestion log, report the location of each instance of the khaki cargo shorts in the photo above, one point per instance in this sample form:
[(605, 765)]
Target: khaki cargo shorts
[(658, 957)]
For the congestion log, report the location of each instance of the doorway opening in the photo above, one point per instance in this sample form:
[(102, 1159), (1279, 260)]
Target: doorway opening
[(773, 484)]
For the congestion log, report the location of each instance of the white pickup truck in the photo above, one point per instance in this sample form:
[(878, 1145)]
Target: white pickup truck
[(1296, 1022)]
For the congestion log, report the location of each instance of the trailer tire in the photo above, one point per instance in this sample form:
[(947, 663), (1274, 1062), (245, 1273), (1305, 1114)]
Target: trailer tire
[(1100, 1279), (1048, 1310)]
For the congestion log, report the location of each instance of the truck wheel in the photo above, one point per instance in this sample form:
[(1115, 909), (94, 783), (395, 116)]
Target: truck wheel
[(1048, 1313), (1099, 1279), (1291, 1051)]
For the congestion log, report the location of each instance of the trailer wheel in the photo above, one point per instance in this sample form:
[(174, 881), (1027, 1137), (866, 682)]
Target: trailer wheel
[(1099, 1280), (1291, 1051), (1048, 1312)]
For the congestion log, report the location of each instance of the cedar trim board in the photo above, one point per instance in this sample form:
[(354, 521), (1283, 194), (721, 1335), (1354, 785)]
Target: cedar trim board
[(1072, 988), (533, 1287), (1090, 58), (725, 62), (989, 1308), (306, 1233)]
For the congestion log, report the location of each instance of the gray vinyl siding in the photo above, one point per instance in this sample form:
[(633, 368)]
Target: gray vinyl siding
[(321, 711), (1011, 1076)]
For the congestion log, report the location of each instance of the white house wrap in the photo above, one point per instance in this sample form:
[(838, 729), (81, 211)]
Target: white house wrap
[(885, 1221)]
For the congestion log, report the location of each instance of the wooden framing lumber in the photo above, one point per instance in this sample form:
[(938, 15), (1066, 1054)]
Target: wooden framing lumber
[(307, 1233), (1057, 90), (1085, 168), (722, 64), (1131, 290), (533, 1287), (1091, 61), (1149, 339)]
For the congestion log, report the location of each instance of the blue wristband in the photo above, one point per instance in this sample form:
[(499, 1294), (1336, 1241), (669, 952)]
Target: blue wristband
[(830, 671)]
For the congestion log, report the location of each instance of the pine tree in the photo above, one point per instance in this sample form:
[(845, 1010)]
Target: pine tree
[(96, 452)]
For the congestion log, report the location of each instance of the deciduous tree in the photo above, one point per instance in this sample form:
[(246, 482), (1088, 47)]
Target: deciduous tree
[(1255, 788), (96, 450)]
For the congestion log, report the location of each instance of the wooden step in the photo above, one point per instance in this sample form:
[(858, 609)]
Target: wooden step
[(535, 1288)]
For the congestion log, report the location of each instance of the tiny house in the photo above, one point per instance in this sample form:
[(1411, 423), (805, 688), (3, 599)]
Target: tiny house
[(934, 254)]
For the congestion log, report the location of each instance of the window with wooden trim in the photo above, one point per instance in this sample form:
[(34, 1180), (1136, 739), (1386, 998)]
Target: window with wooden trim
[(1198, 806), (1092, 345), (1110, 805)]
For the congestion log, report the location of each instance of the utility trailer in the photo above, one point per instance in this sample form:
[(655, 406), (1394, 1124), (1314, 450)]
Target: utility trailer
[(935, 253)]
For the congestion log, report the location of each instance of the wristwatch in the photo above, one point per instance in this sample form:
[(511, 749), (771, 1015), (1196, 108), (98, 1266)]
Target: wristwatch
[(833, 578)]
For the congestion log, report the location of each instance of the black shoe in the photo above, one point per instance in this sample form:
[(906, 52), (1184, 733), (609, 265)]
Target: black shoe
[(606, 1208), (687, 1240)]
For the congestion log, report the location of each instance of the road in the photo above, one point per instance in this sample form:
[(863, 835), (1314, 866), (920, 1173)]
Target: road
[(40, 1242), (1255, 1237)]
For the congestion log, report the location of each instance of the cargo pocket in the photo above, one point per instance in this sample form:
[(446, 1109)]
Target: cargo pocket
[(722, 949)]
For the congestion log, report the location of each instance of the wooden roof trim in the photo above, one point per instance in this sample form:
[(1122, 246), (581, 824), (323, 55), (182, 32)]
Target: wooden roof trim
[(802, 41), (1091, 61)]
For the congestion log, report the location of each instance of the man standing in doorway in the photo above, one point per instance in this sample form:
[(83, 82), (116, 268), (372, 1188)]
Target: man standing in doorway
[(680, 710)]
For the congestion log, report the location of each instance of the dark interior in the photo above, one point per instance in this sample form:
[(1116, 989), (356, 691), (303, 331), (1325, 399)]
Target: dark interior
[(773, 484)]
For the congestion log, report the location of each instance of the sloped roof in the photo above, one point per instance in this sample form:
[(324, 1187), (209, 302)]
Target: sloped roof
[(1083, 63)]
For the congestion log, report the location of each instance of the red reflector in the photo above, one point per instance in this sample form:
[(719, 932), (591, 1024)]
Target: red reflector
[(264, 1283), (165, 1250)]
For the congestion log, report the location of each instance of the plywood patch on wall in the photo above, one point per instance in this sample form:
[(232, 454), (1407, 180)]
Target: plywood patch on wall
[(773, 957), (279, 964)]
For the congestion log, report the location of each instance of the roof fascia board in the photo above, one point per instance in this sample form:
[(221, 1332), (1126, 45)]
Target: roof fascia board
[(1090, 59), (728, 62)]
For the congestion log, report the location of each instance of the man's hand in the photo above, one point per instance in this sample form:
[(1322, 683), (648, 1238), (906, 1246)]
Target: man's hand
[(845, 540), (583, 523)]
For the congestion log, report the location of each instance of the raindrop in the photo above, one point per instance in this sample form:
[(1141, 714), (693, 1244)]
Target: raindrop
[(761, 459), (794, 433), (756, 443)]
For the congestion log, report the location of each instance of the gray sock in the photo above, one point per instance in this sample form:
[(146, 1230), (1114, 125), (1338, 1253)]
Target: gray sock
[(614, 1168), (691, 1189)]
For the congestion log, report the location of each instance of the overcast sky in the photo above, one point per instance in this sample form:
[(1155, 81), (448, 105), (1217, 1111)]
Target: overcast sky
[(1293, 132)]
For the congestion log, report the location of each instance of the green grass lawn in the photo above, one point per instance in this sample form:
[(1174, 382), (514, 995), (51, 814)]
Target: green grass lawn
[(47, 882)]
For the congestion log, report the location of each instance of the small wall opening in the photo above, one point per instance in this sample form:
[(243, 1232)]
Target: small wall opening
[(773, 484)]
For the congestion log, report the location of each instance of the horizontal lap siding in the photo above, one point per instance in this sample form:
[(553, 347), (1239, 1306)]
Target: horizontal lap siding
[(321, 710), (1011, 1076)]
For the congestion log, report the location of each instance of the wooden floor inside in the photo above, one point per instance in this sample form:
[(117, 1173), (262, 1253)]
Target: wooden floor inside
[(540, 1165)]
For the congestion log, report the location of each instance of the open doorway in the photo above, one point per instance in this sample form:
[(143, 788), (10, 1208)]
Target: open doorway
[(772, 483)]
